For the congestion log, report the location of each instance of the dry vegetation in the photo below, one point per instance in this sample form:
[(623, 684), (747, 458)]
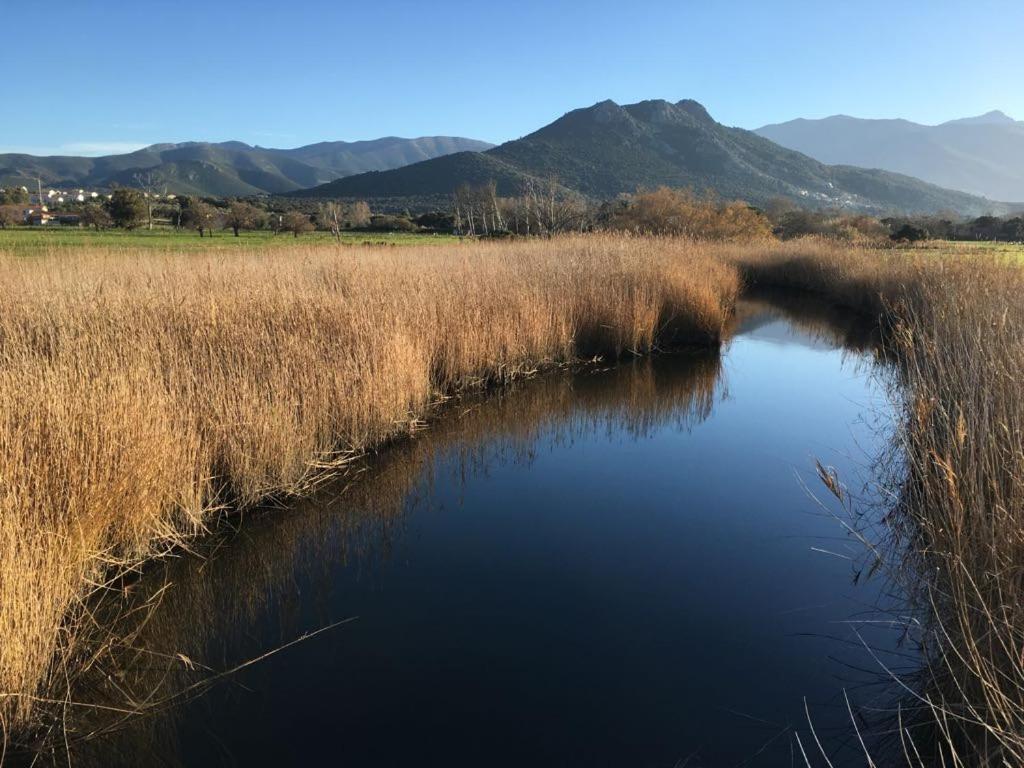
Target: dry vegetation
[(203, 610), (680, 212), (141, 395), (953, 327)]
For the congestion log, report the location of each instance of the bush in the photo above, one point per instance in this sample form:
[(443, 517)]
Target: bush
[(666, 211), (910, 234), (387, 223), (794, 223)]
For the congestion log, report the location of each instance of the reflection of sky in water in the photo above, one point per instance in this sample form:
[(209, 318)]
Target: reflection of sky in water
[(600, 595)]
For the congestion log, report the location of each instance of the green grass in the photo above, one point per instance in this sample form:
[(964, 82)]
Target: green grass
[(975, 246), (34, 240)]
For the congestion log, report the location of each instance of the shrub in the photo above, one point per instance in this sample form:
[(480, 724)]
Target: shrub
[(910, 234), (666, 211)]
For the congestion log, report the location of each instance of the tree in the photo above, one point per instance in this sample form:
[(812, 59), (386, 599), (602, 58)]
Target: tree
[(14, 196), (336, 216), (358, 214), (241, 216), (127, 208), (910, 233), (10, 215), (332, 216), (200, 216), (94, 215), (1013, 229), (149, 182), (296, 222)]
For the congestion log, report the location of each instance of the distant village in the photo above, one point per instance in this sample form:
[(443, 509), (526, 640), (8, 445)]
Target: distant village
[(44, 207)]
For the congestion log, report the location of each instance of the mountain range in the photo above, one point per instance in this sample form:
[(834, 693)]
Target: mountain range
[(600, 152), (982, 155), (608, 149), (231, 168)]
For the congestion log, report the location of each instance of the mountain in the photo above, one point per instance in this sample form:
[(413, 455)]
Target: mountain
[(230, 168), (607, 149), (981, 155)]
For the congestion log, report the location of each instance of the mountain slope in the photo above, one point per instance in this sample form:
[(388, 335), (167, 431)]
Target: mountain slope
[(981, 155), (350, 157), (230, 168), (607, 149), (422, 179)]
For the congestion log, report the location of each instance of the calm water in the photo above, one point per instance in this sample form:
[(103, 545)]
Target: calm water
[(610, 568)]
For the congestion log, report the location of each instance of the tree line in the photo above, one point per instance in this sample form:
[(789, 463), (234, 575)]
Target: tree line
[(541, 208), (545, 208), (129, 208)]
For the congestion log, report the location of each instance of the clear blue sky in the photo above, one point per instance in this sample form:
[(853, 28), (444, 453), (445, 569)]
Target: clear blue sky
[(84, 76)]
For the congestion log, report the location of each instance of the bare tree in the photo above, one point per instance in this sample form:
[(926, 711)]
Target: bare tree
[(296, 222), (359, 214), (333, 215), (150, 183)]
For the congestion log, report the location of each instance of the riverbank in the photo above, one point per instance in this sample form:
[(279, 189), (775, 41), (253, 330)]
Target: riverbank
[(953, 326), (141, 395)]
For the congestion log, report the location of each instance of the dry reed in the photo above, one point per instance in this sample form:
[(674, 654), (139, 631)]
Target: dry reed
[(953, 326), (142, 394)]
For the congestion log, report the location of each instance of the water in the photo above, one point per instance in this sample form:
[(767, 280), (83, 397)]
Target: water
[(601, 568)]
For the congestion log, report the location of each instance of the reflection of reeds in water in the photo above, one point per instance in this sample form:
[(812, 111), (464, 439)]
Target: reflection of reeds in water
[(953, 327), (192, 616), (141, 394), (810, 314)]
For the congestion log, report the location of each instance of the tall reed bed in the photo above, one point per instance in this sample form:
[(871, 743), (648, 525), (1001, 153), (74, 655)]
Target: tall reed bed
[(953, 326), (180, 611), (142, 394)]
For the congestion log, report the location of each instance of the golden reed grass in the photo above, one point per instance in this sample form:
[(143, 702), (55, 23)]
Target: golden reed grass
[(179, 611), (953, 326), (141, 394)]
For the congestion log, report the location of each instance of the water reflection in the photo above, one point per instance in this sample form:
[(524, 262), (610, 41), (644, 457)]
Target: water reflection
[(600, 566)]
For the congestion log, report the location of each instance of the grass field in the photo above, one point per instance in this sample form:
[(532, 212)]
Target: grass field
[(36, 240), (962, 247)]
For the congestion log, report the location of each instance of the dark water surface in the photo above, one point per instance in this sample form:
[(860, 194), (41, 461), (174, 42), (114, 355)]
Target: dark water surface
[(606, 568)]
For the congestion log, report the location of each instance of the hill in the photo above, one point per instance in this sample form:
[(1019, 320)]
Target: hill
[(230, 168), (608, 149), (981, 155)]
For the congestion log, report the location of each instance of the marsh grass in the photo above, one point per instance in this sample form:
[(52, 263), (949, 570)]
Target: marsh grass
[(144, 395), (953, 329), (164, 638)]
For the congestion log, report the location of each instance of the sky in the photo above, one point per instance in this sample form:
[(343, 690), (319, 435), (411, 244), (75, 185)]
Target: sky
[(106, 76)]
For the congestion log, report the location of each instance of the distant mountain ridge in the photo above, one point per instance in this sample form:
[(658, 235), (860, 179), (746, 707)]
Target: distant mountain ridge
[(608, 149), (981, 155), (231, 168)]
